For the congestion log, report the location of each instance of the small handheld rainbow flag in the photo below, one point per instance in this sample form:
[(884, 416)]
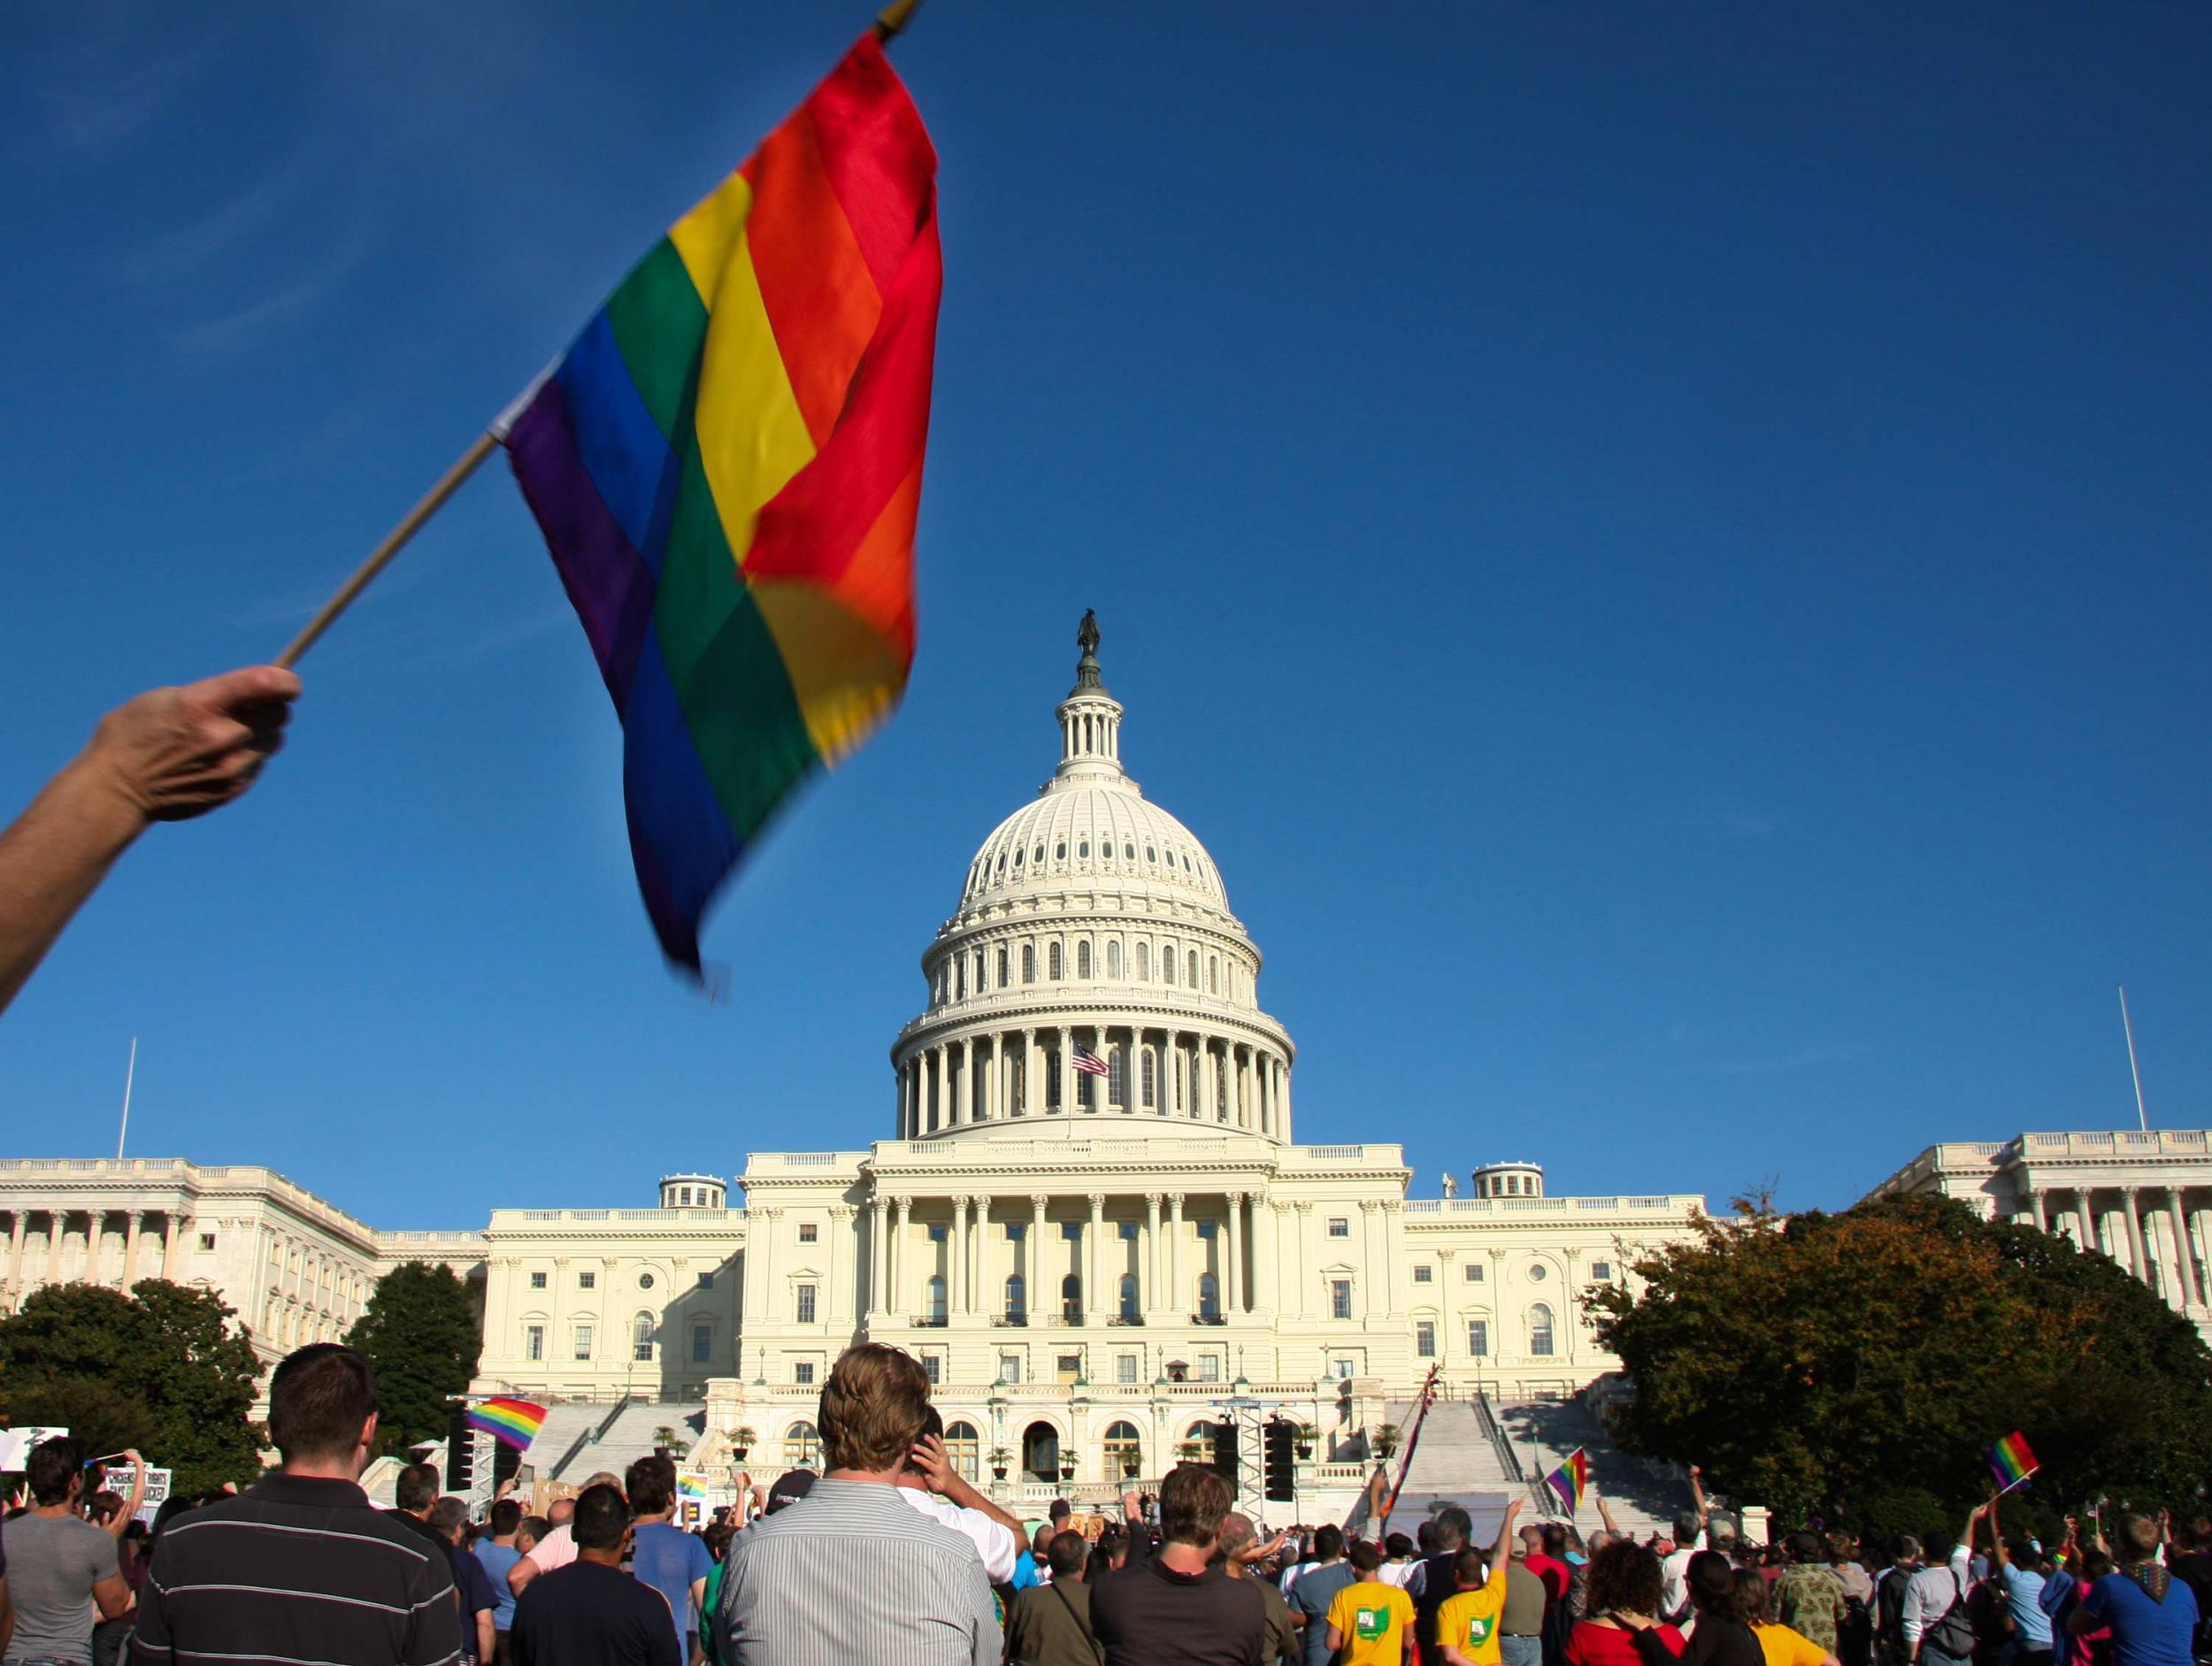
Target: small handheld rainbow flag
[(1572, 1479), (2012, 1462), (513, 1423)]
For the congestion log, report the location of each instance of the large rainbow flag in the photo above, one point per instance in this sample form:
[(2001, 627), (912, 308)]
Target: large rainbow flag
[(726, 466), (2012, 1463), (515, 1422), (1570, 1480)]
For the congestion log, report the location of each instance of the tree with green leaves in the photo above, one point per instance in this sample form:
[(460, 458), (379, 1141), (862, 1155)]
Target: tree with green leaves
[(1860, 1365), (422, 1337), (165, 1368)]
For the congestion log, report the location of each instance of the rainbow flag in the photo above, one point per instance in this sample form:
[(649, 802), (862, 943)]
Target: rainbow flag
[(515, 1422), (2012, 1462), (1572, 1479), (726, 466)]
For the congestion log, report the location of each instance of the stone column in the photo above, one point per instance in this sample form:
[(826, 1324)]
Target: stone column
[(130, 1249), (1266, 1227), (957, 1258), (875, 1302), (895, 1273), (1067, 1071), (1394, 1273), (967, 1080), (1303, 1305), (56, 1234), (906, 1100), (834, 1298), (1208, 1081), (1370, 1256), (2138, 1262), (1178, 1303), (1444, 1307), (15, 1247), (1233, 1257), (1151, 1302), (2185, 1294), (1283, 1132), (2085, 1219), (1091, 1234), (1033, 1269)]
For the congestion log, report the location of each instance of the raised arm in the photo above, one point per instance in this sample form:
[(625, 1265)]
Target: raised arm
[(1697, 1496), (1505, 1529), (943, 1479), (1996, 1538), (1605, 1513), (123, 1517)]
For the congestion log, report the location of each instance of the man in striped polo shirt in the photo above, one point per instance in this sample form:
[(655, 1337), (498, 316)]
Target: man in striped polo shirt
[(299, 1568)]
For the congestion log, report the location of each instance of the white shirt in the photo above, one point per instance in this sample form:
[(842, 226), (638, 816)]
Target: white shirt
[(993, 1541), (1674, 1571), (1397, 1572)]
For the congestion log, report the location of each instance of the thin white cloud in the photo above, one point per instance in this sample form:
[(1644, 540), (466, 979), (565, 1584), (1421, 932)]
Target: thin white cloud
[(193, 245)]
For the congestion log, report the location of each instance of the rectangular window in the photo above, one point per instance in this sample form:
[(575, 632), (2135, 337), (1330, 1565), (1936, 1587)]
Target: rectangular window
[(1424, 1339), (701, 1344), (1424, 1275), (586, 1281), (1602, 1271), (806, 1304), (809, 1233), (1210, 1368), (802, 1373), (1126, 1368), (1340, 1369), (1072, 1230), (583, 1342), (1340, 1298), (207, 1240), (1126, 1231), (537, 1281), (706, 1281), (937, 1230), (533, 1342), (1340, 1226), (1010, 1369), (1016, 1231), (1478, 1338), (934, 1365), (1209, 1229), (1474, 1272)]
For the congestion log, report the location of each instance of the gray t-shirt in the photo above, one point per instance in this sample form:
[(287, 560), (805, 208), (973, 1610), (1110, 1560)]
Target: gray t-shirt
[(53, 1563)]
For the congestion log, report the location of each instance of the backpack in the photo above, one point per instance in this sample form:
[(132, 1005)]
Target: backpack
[(1954, 1633)]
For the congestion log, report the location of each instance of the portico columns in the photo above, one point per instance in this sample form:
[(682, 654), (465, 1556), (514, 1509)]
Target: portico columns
[(1152, 1303), (1024, 1105), (1033, 1268), (15, 1247), (1091, 1306), (872, 1302), (2138, 1262), (1066, 1070), (130, 1249), (56, 1234), (894, 1267), (2185, 1292), (1267, 1222), (1232, 1296), (957, 1248), (1177, 1305), (2084, 1220)]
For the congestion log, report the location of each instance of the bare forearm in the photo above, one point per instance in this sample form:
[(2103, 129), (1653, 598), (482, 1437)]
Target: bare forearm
[(51, 859)]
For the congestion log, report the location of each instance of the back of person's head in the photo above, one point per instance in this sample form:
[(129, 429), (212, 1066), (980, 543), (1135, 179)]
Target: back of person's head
[(448, 1514), (1685, 1529), (320, 1398), (872, 1407), (1806, 1547), (651, 1484), (1040, 1540), (2021, 1553), (1423, 1537), (559, 1513), (1626, 1577), (601, 1516), (53, 1464), (1237, 1532), (1398, 1545), (2095, 1565), (1532, 1534), (1750, 1598), (530, 1529), (2138, 1539), (1938, 1547), (172, 1507), (105, 1506), (1192, 1499), (1712, 1582), (717, 1539), (1065, 1556), (1840, 1546), (1058, 1510), (1904, 1547), (506, 1516), (1366, 1557), (1469, 1569), (417, 1487), (1453, 1524), (1328, 1542), (1555, 1540), (1720, 1529)]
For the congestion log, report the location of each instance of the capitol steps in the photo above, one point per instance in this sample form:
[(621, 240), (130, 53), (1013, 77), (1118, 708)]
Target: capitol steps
[(616, 1445), (1643, 1495)]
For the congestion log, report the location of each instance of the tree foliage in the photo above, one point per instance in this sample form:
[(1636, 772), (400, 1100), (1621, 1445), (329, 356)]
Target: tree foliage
[(165, 1368), (420, 1334), (1860, 1365)]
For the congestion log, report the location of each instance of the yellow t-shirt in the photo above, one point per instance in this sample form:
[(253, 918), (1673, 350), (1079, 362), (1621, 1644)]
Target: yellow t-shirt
[(1469, 1620), (1782, 1647), (1371, 1617)]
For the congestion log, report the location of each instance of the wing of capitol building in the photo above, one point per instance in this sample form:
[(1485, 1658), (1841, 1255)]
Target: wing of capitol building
[(1090, 1218)]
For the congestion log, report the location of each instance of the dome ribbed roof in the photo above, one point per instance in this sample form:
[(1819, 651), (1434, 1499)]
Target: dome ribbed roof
[(1097, 830)]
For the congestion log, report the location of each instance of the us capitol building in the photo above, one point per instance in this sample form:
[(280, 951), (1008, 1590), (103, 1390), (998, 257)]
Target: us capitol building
[(1092, 1220)]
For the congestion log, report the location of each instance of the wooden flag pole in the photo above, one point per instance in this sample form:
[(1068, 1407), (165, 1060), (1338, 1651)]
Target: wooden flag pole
[(394, 540), (893, 17)]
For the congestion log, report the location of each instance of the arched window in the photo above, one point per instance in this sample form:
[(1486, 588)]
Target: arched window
[(1144, 962), (1198, 1444), (959, 979), (802, 1447), (1029, 963), (1002, 968), (1540, 1332), (1052, 962), (941, 986), (1071, 1297), (1083, 847), (936, 1298), (1059, 852), (1213, 974), (1117, 1076), (1113, 957), (1083, 959), (1052, 1078), (1167, 963), (1151, 1070), (964, 1448), (1123, 1448), (1017, 1300), (1190, 966), (1128, 1297), (980, 983), (642, 1337), (1209, 1297)]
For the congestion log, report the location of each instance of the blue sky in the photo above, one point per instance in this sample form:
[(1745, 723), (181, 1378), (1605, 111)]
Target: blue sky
[(1665, 551)]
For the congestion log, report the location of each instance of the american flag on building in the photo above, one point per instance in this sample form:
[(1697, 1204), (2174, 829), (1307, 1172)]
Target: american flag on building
[(1088, 1062)]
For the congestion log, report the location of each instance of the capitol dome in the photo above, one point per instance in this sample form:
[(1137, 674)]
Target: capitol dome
[(1093, 968)]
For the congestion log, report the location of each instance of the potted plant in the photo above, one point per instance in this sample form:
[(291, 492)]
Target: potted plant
[(741, 1442), (1190, 1452), (665, 1439), (1000, 1458), (1067, 1468), (1386, 1440), (1129, 1469), (1303, 1437)]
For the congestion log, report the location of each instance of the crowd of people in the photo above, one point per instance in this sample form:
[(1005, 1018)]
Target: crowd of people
[(889, 1554)]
